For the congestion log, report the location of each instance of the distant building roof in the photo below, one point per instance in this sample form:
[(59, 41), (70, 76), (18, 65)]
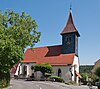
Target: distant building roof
[(70, 27), (49, 54), (97, 64)]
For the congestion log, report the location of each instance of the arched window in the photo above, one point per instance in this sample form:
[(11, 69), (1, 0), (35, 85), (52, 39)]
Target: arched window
[(59, 72)]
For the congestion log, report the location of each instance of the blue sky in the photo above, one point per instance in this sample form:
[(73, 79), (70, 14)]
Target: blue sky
[(51, 17)]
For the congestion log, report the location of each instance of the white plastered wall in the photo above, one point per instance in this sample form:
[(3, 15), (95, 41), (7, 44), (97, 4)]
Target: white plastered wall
[(21, 65), (64, 72), (16, 73), (75, 67)]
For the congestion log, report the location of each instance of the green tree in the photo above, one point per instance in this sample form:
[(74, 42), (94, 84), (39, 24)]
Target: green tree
[(17, 31), (44, 68)]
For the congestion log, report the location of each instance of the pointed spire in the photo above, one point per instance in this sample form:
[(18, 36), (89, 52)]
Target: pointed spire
[(70, 19), (70, 27)]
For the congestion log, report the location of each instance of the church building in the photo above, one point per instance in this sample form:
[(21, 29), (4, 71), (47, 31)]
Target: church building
[(64, 58)]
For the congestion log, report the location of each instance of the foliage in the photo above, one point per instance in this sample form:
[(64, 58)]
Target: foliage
[(97, 72), (44, 68), (4, 80), (85, 68), (17, 31), (86, 76), (4, 83), (57, 79)]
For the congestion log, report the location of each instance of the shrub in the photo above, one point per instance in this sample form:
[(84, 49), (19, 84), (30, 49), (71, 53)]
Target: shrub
[(84, 78), (4, 83), (44, 68), (57, 79), (94, 79), (4, 80)]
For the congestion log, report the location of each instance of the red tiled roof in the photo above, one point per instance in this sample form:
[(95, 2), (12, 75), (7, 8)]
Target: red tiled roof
[(50, 54), (70, 27)]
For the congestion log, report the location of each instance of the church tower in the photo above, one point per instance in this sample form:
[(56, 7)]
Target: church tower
[(70, 37)]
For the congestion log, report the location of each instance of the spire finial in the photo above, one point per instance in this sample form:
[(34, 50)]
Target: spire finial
[(70, 6)]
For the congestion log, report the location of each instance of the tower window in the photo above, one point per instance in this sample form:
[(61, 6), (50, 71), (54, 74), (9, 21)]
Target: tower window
[(69, 38)]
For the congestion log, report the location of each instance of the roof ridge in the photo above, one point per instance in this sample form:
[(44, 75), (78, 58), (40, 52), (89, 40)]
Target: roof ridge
[(46, 46)]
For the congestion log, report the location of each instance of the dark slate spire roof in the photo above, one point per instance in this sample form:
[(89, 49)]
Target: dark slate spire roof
[(70, 27)]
